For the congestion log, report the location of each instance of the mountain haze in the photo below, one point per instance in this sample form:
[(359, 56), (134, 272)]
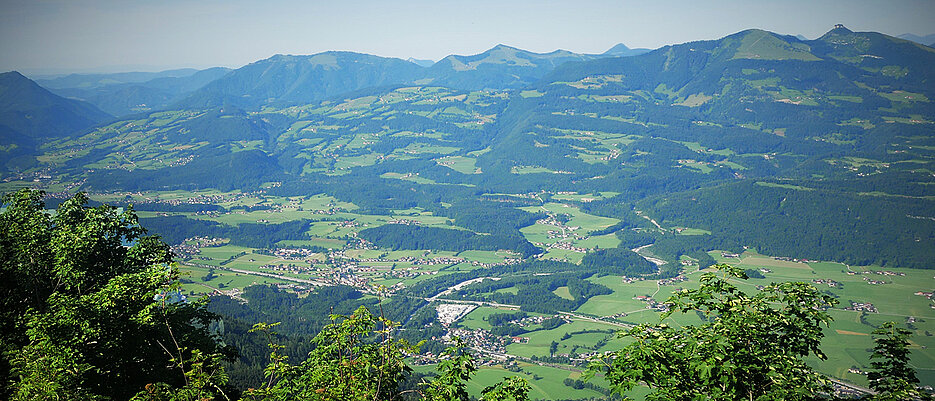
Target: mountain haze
[(135, 95), (930, 38)]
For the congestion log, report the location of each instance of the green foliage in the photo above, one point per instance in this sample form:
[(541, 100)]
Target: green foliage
[(355, 358), (90, 307), (752, 346), (400, 236), (510, 389), (853, 229), (455, 369), (892, 377), (617, 261)]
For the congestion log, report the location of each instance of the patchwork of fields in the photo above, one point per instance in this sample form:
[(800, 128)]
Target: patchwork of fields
[(331, 252)]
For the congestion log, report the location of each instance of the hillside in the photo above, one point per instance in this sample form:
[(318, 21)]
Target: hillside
[(32, 111), (284, 79), (502, 67)]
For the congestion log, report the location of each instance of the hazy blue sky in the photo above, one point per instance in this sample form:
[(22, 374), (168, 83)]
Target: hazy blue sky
[(157, 34)]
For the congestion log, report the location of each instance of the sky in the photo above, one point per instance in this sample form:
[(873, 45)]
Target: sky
[(57, 36)]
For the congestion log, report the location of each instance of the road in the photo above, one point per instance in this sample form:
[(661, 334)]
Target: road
[(504, 356), (459, 286), (271, 275), (478, 303), (596, 320)]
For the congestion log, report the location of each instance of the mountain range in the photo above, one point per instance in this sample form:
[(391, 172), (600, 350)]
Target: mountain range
[(752, 120), (129, 93), (501, 67), (928, 40)]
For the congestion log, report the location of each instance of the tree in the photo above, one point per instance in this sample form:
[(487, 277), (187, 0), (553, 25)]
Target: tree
[(353, 359), (892, 377), (750, 348), (356, 358), (454, 371), (89, 306)]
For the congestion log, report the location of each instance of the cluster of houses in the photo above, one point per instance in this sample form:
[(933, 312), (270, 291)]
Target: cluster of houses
[(563, 234), (289, 268), (874, 282), (405, 222), (614, 153), (533, 320), (551, 220), (568, 246), (651, 303), (862, 307), (788, 259), (829, 282), (441, 260), (674, 280), (479, 338), (506, 261), (293, 253), (192, 246)]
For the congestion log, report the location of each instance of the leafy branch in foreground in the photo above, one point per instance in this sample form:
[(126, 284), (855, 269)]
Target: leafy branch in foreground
[(892, 377), (752, 347), (356, 358), (89, 306)]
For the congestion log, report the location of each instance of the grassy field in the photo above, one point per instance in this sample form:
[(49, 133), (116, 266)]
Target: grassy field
[(847, 339), (546, 383)]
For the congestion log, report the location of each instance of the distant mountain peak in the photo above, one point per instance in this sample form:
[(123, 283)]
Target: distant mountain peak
[(621, 50), (617, 48), (758, 44), (502, 46)]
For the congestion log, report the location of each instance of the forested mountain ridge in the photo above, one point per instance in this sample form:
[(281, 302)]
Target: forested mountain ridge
[(287, 79)]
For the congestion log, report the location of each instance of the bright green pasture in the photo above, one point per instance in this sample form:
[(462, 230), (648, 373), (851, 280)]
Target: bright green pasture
[(549, 385)]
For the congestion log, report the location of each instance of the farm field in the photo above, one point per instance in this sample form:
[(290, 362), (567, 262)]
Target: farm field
[(892, 292)]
